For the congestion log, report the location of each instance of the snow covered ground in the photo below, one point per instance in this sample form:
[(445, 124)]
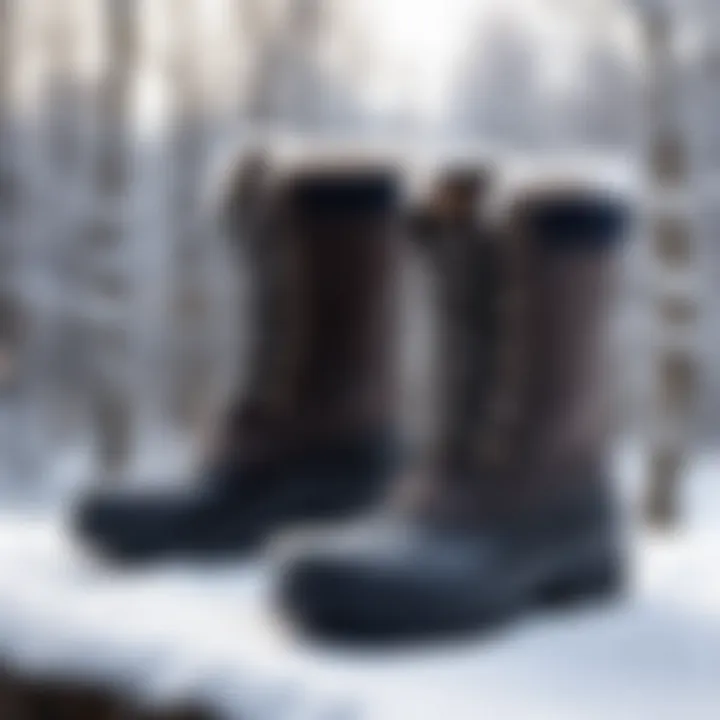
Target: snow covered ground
[(180, 633)]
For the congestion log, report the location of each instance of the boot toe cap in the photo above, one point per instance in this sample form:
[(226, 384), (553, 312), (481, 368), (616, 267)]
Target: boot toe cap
[(378, 596), (123, 524)]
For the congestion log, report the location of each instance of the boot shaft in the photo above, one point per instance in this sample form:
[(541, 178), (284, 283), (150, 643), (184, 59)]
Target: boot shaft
[(551, 398), (342, 223), (319, 241), (523, 295)]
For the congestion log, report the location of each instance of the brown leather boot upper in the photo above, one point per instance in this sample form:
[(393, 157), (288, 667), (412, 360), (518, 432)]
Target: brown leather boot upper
[(524, 350), (322, 256)]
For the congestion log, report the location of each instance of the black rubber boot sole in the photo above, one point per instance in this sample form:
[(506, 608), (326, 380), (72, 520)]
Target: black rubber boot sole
[(237, 529), (336, 610)]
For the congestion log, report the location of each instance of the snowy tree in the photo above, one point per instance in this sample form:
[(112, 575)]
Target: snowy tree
[(9, 319), (108, 279), (499, 98), (188, 162), (606, 98)]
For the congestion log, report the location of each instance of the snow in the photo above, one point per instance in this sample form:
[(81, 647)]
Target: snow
[(210, 635)]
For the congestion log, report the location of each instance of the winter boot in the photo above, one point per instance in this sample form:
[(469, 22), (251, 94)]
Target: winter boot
[(514, 509), (311, 435)]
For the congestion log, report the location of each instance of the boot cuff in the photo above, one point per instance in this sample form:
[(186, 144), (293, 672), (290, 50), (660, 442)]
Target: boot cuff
[(348, 190), (572, 218)]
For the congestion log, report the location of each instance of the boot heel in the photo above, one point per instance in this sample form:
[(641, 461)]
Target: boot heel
[(602, 581)]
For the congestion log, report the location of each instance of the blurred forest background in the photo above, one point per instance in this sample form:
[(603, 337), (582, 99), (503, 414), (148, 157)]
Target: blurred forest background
[(119, 307)]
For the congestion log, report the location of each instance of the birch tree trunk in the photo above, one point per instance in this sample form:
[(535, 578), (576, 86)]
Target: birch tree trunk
[(675, 364), (190, 309), (11, 325), (307, 100), (108, 272), (284, 60), (9, 321), (261, 101), (63, 192)]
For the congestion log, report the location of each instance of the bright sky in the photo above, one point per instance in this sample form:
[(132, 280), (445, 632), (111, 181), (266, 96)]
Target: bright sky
[(415, 47), (420, 43)]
